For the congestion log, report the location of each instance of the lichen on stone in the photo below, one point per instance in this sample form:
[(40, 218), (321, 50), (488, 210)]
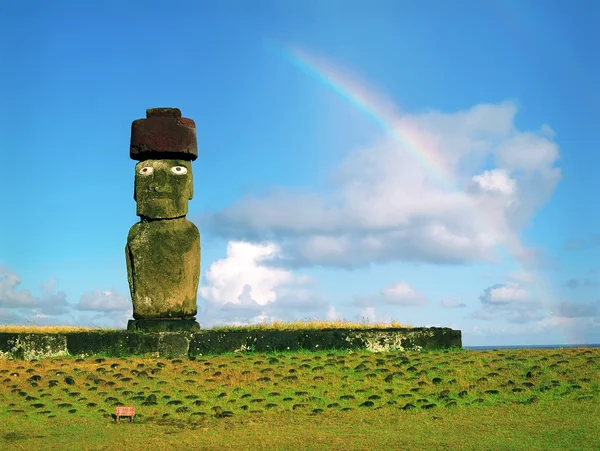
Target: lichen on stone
[(163, 262), (36, 346), (376, 341), (163, 188), (123, 344), (163, 249)]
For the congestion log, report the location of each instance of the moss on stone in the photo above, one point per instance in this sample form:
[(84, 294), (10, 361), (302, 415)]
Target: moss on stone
[(163, 325), (376, 340), (116, 344), (163, 267), (163, 188), (166, 344), (163, 249), (32, 346), (173, 345)]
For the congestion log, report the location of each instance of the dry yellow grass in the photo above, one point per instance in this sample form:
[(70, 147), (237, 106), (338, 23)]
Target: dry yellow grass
[(311, 325), (45, 329), (276, 325)]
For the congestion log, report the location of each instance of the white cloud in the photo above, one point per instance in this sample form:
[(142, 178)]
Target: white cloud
[(496, 181), (402, 294), (547, 131), (10, 296), (99, 300), (511, 302), (50, 303), (369, 315), (527, 151), (391, 201), (509, 293), (243, 288), (95, 309), (333, 314), (244, 277)]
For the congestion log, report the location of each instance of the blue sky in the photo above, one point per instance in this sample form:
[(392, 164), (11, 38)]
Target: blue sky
[(308, 207)]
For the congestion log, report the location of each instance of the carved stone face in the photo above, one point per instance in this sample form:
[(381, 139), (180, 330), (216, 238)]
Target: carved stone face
[(163, 188)]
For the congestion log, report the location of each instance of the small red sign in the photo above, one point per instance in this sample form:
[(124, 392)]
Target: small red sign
[(123, 411)]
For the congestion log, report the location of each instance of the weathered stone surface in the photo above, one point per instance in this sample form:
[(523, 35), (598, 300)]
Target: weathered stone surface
[(163, 112), (173, 345), (32, 346), (116, 344), (163, 188), (163, 134), (163, 325), (169, 344), (376, 340), (163, 249), (163, 268)]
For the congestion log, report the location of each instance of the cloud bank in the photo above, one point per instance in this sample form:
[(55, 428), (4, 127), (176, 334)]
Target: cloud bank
[(244, 288), (385, 203), (95, 308)]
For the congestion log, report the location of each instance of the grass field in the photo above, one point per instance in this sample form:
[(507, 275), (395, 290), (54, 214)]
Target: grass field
[(514, 399)]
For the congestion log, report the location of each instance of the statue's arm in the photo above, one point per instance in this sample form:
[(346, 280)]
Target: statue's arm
[(129, 275), (132, 233), (197, 252)]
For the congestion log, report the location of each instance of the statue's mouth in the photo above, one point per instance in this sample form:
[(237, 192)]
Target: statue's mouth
[(153, 195)]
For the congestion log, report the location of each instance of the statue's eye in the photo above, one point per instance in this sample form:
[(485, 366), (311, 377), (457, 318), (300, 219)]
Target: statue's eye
[(179, 170), (146, 170)]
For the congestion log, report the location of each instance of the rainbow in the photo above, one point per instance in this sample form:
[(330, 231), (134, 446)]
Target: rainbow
[(378, 110), (384, 114)]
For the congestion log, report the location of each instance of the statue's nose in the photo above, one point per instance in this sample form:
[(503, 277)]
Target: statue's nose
[(159, 182)]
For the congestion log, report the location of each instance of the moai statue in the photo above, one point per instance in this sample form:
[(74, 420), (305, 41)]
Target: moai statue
[(163, 249)]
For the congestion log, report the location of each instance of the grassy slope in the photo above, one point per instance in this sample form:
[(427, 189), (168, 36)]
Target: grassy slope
[(558, 407), (561, 426)]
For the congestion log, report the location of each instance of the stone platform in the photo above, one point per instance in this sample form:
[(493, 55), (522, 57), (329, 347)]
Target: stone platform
[(207, 342), (163, 325)]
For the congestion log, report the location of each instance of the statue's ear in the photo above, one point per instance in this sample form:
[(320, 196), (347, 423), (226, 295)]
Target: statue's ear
[(191, 188), (134, 190)]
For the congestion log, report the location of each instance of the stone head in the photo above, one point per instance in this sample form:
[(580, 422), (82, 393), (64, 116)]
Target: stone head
[(163, 188), (164, 143)]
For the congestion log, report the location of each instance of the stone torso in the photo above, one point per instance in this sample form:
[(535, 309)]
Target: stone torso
[(163, 267)]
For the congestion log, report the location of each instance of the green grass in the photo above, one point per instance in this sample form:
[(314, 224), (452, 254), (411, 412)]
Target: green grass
[(514, 399)]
